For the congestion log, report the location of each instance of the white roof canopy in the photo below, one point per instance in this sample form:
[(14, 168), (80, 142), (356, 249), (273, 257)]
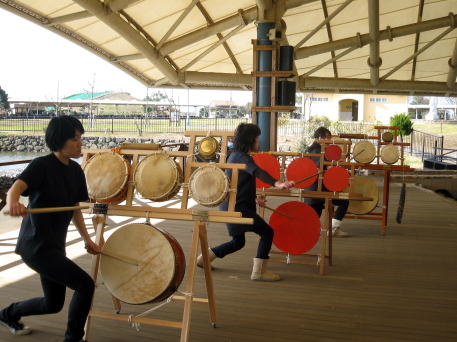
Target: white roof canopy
[(360, 46)]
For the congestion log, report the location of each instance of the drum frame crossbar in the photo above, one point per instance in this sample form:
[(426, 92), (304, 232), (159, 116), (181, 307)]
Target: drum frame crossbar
[(199, 235)]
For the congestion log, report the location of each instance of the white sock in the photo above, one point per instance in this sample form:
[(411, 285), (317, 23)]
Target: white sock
[(336, 224)]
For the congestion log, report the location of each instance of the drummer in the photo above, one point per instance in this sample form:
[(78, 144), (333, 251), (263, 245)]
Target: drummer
[(247, 140), (51, 181), (318, 203)]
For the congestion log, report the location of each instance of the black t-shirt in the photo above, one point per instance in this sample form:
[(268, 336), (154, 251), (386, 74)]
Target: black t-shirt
[(50, 183), (246, 190)]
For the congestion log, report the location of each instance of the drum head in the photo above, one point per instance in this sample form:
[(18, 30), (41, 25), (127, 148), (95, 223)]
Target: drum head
[(208, 185), (106, 176), (336, 178), (299, 234), (387, 136), (364, 152), (142, 283), (300, 168), (207, 147), (366, 187), (268, 163), (390, 154), (332, 152), (157, 177)]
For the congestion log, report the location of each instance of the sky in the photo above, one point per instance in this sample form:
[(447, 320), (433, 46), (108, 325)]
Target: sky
[(37, 64)]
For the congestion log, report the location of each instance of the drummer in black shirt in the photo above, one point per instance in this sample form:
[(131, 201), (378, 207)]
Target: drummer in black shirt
[(247, 140), (51, 181)]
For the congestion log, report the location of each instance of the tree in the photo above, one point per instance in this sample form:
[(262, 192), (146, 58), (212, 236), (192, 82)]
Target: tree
[(403, 121), (4, 104), (418, 100)]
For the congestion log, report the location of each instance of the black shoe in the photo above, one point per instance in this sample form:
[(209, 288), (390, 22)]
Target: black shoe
[(16, 327)]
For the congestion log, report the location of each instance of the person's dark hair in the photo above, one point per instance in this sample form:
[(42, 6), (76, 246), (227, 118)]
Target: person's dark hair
[(321, 132), (245, 135), (60, 129)]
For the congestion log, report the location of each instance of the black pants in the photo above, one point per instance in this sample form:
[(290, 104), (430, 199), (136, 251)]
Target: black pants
[(343, 205), (57, 272), (259, 227)]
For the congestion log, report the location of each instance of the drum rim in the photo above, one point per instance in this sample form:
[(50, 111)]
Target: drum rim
[(124, 182), (173, 190), (221, 198)]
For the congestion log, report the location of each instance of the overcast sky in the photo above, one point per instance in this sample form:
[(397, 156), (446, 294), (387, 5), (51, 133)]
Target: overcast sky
[(36, 64)]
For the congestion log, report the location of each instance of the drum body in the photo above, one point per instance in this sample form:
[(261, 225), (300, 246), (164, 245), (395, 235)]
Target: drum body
[(160, 270), (333, 152), (268, 163), (107, 177), (209, 185), (390, 154), (207, 147), (364, 152), (297, 233), (336, 178), (301, 168), (366, 187), (387, 136), (158, 177)]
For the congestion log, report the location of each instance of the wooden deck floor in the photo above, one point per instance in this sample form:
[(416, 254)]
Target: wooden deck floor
[(397, 287)]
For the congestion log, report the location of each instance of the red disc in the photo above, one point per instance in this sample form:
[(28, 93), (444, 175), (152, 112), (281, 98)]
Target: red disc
[(268, 163), (301, 168), (336, 178), (332, 152), (297, 233)]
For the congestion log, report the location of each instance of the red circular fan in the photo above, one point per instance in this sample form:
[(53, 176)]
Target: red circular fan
[(336, 178), (299, 231), (268, 163), (332, 152), (302, 168)]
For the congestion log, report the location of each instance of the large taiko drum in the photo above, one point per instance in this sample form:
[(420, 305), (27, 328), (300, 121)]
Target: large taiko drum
[(208, 185), (302, 168), (364, 152), (299, 231), (158, 177), (208, 147), (107, 177), (390, 154), (336, 178), (157, 269), (268, 163), (366, 187)]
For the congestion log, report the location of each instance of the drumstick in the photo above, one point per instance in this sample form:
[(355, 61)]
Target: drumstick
[(122, 258), (307, 177), (355, 155), (279, 212), (50, 210)]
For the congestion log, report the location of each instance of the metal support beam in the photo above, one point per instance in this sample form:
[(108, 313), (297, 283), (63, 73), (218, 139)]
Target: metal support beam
[(176, 23), (331, 60), (263, 5), (374, 61), (128, 57), (297, 3), (69, 17), (119, 25), (330, 37), (452, 68), (364, 39), (117, 5), (418, 52), (416, 40), (324, 22)]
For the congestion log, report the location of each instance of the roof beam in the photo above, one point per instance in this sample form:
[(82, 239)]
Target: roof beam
[(324, 22), (330, 37), (247, 16), (452, 68), (177, 22), (331, 60), (128, 57), (114, 21), (364, 39), (416, 40), (418, 52), (374, 61), (117, 5), (69, 17), (210, 21)]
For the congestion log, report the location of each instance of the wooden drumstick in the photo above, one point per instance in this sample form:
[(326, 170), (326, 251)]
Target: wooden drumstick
[(307, 177), (362, 150), (279, 212), (50, 210), (122, 258)]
